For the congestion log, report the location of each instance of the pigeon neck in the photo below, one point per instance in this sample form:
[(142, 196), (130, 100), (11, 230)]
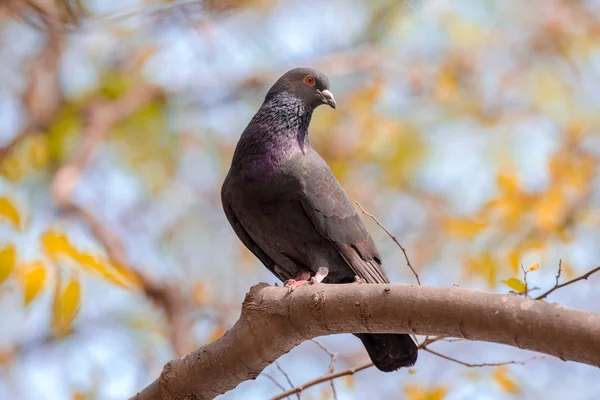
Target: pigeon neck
[(278, 131), (292, 119), (283, 122)]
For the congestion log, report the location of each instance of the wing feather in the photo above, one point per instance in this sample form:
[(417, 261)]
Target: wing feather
[(336, 219)]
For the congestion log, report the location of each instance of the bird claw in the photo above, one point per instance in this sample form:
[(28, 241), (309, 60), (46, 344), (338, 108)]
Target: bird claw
[(304, 278), (358, 280), (293, 284), (319, 276)]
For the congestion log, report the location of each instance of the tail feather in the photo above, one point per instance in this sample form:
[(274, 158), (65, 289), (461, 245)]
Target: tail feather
[(389, 351)]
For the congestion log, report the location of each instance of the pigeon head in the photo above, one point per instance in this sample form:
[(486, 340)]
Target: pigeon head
[(306, 84)]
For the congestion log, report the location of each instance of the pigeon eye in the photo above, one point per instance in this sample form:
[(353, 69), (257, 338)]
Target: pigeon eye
[(309, 80)]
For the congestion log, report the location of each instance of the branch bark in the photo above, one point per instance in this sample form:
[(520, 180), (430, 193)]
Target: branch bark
[(273, 322)]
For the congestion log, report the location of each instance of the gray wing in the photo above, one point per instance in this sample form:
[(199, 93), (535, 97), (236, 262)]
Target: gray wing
[(334, 217), (242, 234)]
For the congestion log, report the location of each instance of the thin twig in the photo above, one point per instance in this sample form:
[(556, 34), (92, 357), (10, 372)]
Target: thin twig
[(287, 377), (321, 379), (452, 340), (559, 272), (427, 341), (393, 238), (423, 346), (349, 371), (279, 385), (562, 285), (526, 292), (469, 365), (331, 367), (323, 347)]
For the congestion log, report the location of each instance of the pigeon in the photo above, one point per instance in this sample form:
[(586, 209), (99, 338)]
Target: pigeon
[(289, 210)]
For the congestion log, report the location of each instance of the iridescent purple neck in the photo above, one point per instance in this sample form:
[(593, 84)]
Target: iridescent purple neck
[(278, 130)]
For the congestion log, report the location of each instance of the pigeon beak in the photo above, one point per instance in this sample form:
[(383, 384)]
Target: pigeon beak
[(328, 98)]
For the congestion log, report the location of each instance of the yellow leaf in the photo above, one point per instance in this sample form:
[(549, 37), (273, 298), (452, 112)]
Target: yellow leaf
[(200, 296), (8, 257), (508, 183), (483, 266), (515, 284), (534, 267), (509, 385), (412, 371), (12, 168), (39, 151), (513, 259), (55, 243), (437, 393), (130, 277), (414, 392), (549, 210), (448, 84), (33, 280), (349, 380), (105, 269), (463, 228), (9, 212), (66, 307)]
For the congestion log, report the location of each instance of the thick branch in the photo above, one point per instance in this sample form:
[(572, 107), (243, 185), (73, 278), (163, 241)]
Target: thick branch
[(272, 322)]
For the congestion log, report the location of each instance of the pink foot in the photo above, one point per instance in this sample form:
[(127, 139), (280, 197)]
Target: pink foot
[(319, 276), (293, 284)]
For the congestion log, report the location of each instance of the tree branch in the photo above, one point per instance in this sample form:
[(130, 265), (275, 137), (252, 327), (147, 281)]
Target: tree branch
[(469, 365), (273, 322), (350, 371), (321, 379), (557, 286)]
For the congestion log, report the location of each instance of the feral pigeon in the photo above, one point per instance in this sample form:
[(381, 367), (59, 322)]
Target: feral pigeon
[(289, 210)]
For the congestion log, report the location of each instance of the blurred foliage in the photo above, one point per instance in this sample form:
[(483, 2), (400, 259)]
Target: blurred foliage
[(517, 221), (414, 392), (502, 378)]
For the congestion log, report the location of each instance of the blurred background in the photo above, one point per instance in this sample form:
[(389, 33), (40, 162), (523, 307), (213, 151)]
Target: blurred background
[(470, 129)]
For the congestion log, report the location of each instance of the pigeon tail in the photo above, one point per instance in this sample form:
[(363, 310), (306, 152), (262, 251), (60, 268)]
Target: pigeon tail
[(389, 351)]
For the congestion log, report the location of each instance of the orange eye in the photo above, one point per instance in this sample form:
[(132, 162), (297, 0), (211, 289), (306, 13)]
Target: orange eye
[(309, 80)]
